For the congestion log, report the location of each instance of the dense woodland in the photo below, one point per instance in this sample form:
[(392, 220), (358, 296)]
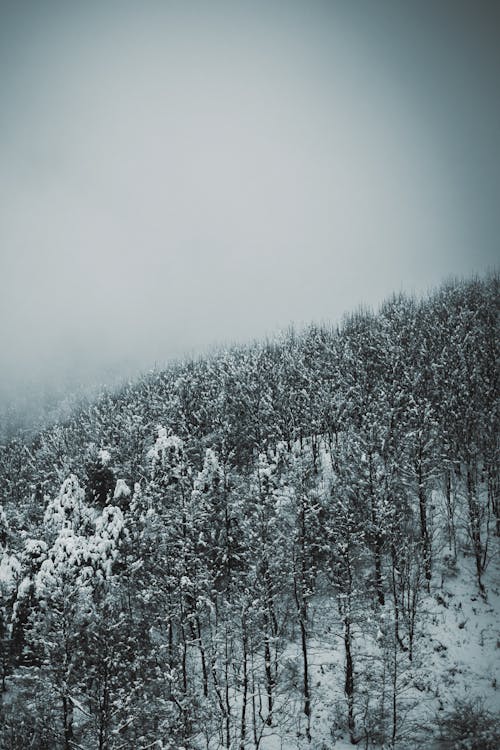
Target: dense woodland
[(173, 550)]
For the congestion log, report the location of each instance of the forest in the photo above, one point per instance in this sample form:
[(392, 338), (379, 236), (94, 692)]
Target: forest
[(265, 548)]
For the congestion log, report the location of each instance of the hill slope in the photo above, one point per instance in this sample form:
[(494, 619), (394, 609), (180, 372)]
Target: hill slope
[(284, 545)]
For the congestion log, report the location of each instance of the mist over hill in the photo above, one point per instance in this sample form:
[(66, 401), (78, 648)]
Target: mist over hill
[(179, 175)]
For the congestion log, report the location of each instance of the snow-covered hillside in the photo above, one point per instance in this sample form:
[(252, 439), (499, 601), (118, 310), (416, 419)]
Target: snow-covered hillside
[(290, 545)]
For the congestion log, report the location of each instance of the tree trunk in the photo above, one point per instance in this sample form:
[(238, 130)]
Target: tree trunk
[(450, 512), (302, 616), (378, 540), (426, 545), (378, 570), (475, 527), (269, 678), (349, 679), (67, 722), (204, 669), (244, 699)]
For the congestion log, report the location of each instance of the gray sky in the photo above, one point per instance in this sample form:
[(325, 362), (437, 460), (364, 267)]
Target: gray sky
[(176, 175)]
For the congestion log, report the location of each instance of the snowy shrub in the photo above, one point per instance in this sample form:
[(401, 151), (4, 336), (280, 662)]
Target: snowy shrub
[(4, 528), (449, 566), (66, 509), (166, 456), (122, 490), (28, 720), (290, 674), (100, 480), (109, 531), (469, 725), (374, 723)]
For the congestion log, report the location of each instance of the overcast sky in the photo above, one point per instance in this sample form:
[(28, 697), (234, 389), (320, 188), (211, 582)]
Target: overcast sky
[(175, 175)]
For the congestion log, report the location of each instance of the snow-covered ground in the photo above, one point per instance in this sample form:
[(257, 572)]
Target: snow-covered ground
[(456, 657)]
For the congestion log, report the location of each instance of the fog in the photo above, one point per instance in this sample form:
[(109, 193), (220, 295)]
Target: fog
[(175, 176)]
